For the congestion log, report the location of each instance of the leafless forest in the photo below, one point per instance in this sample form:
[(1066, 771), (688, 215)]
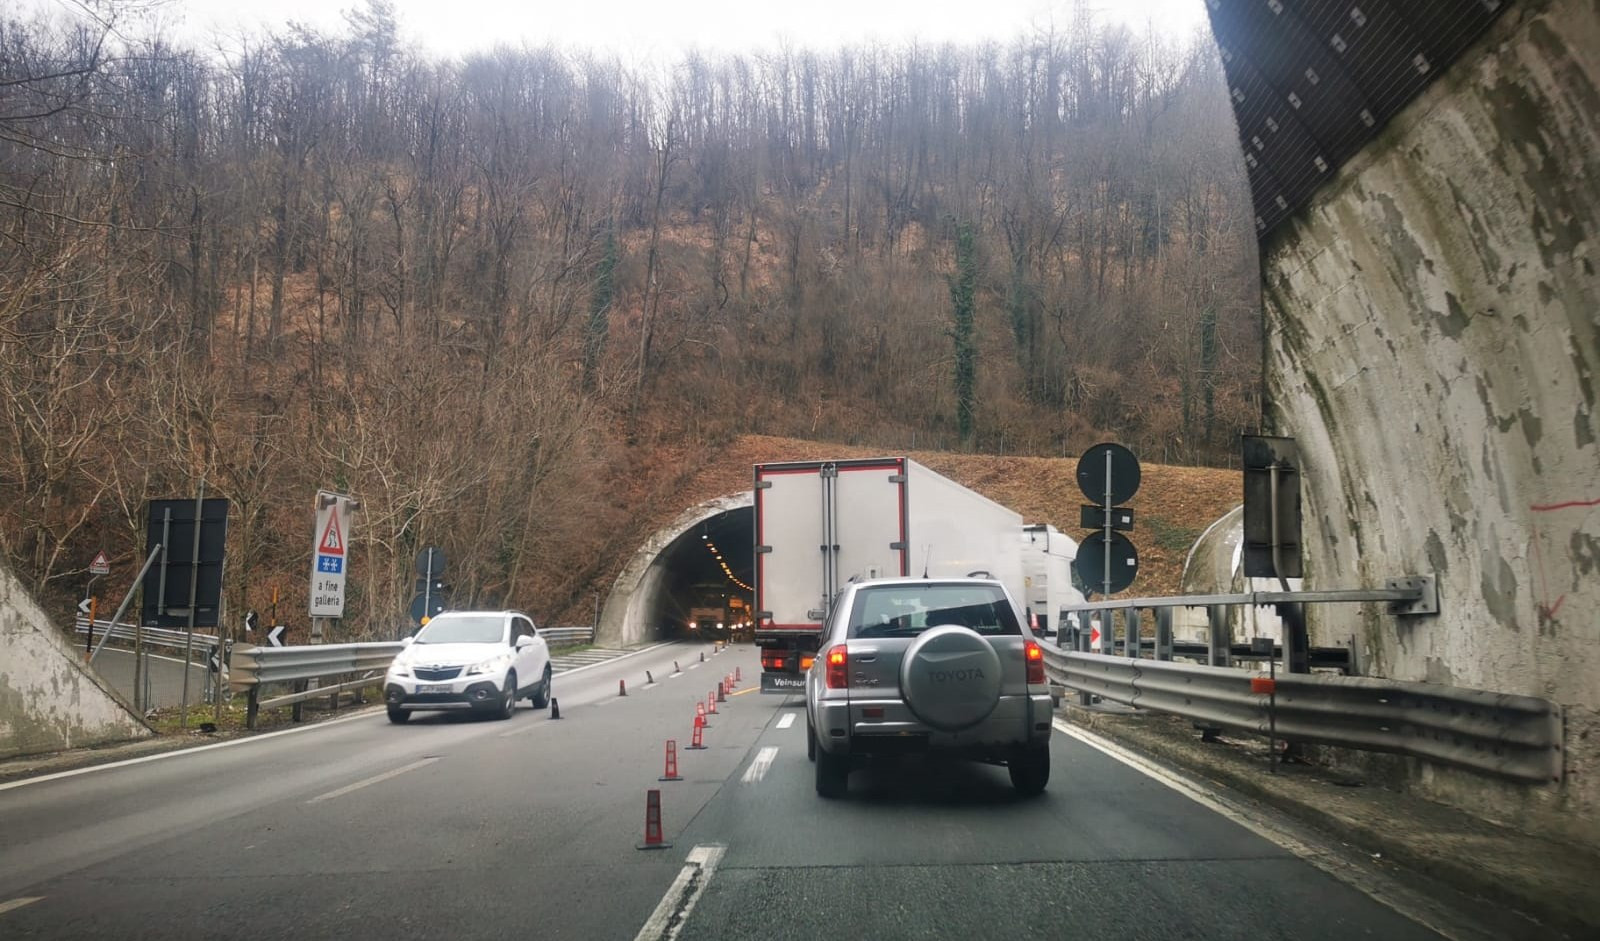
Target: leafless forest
[(506, 298)]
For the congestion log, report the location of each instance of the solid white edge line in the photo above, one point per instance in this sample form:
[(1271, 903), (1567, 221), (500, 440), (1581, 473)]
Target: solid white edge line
[(375, 779), (180, 752), (787, 720), (327, 723), (15, 904), (1374, 885), (760, 764), (682, 894)]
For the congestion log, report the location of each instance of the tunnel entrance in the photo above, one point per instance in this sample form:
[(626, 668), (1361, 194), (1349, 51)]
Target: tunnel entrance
[(691, 580)]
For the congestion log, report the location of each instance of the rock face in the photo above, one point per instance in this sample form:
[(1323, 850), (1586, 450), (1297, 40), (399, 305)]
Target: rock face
[(1432, 321), (50, 700)]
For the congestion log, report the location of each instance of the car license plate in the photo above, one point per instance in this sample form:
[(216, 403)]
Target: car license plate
[(433, 688)]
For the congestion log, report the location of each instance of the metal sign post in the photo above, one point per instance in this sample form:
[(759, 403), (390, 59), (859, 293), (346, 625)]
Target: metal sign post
[(194, 599), (1108, 474)]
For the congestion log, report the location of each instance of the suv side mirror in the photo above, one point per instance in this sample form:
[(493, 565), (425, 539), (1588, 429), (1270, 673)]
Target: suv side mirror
[(524, 641), (406, 641)]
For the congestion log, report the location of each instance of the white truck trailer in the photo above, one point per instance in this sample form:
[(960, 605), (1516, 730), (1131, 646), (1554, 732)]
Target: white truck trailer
[(819, 524), (1047, 557)]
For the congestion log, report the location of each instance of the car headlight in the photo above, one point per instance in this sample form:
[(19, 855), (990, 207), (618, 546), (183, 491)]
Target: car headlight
[(399, 669), (491, 665)]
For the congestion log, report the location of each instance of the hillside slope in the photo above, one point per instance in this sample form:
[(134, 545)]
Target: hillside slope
[(1173, 505)]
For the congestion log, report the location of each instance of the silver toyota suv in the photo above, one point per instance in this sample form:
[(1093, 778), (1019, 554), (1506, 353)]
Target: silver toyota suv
[(919, 665)]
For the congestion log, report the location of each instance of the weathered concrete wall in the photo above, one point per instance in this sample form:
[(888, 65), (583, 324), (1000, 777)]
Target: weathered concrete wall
[(48, 699), (1431, 323), (624, 620)]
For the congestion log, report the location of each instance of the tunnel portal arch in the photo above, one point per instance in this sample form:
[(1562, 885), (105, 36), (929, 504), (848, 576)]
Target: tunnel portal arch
[(646, 600)]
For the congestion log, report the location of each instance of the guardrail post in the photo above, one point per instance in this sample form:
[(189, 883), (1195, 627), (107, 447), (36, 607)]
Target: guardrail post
[(252, 707), (1131, 645), (298, 709), (1163, 633), (1296, 639), (1221, 638)]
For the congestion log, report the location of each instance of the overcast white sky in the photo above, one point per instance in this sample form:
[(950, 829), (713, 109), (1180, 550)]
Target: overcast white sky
[(657, 28)]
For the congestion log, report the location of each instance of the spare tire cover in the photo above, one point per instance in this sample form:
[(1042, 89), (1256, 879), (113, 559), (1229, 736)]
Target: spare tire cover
[(950, 677)]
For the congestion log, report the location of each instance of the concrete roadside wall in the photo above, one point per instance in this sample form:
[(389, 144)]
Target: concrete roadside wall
[(49, 700), (1432, 321)]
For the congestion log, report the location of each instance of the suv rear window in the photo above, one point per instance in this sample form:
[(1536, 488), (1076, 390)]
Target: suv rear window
[(906, 610)]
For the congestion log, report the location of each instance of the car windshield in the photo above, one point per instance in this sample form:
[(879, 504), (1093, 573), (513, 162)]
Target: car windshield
[(464, 630), (906, 610)]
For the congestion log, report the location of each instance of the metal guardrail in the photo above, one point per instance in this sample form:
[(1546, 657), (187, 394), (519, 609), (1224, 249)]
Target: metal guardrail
[(567, 636), (159, 636), (1518, 737), (251, 668)]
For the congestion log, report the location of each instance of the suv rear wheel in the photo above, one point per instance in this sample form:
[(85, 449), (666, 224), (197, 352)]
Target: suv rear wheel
[(833, 773), (1030, 769)]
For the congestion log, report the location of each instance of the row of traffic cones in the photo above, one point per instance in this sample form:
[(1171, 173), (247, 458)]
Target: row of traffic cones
[(654, 839)]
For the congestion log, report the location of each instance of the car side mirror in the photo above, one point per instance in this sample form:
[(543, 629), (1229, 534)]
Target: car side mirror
[(524, 641), (407, 641)]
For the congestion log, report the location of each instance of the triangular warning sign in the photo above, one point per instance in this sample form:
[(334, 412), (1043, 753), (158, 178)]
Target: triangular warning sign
[(100, 560), (332, 541)]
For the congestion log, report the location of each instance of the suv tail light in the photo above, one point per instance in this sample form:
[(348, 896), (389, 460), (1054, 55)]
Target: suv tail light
[(1035, 655), (838, 668)]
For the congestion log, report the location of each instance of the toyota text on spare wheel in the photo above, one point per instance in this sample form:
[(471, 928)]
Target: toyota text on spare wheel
[(951, 678), (928, 666)]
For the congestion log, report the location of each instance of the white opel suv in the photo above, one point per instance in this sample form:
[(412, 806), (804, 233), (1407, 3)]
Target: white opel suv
[(477, 660)]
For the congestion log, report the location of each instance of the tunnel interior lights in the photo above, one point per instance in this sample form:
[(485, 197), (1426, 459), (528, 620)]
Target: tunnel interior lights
[(716, 554)]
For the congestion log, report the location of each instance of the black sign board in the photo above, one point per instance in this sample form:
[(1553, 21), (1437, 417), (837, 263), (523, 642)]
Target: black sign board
[(1091, 562), (430, 562), (166, 585), (1094, 517), (1124, 473), (426, 606), (1266, 458)]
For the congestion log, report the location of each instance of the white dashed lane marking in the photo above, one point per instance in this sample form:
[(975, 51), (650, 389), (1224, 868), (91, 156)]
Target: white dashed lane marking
[(15, 904), (786, 721), (759, 767), (375, 779)]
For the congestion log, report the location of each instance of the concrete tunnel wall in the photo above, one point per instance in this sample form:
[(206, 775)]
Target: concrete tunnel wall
[(1431, 324), (49, 699), (625, 619)]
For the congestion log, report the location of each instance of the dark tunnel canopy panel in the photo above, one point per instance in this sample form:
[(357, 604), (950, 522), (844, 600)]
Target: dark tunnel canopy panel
[(1312, 81), (695, 578)]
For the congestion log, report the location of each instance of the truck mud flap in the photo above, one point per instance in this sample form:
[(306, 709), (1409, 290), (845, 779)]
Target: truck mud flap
[(784, 684)]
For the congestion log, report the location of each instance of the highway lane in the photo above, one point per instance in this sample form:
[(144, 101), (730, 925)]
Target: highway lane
[(528, 827), (472, 826)]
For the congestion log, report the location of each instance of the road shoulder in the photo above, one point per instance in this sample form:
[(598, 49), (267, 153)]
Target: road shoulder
[(1549, 882)]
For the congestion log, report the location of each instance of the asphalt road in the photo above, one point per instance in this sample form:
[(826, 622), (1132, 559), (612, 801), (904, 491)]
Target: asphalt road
[(464, 828), (166, 676)]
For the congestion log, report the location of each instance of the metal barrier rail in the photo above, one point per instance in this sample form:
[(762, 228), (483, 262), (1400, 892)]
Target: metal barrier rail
[(252, 668), (1518, 737), (160, 636), (567, 636)]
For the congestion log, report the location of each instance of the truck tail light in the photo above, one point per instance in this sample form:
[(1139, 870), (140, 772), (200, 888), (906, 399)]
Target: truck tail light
[(806, 662), (771, 661), (1035, 655), (838, 668)]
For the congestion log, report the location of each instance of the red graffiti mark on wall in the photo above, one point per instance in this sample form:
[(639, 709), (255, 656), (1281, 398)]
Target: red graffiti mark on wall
[(1549, 609), (1551, 507)]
